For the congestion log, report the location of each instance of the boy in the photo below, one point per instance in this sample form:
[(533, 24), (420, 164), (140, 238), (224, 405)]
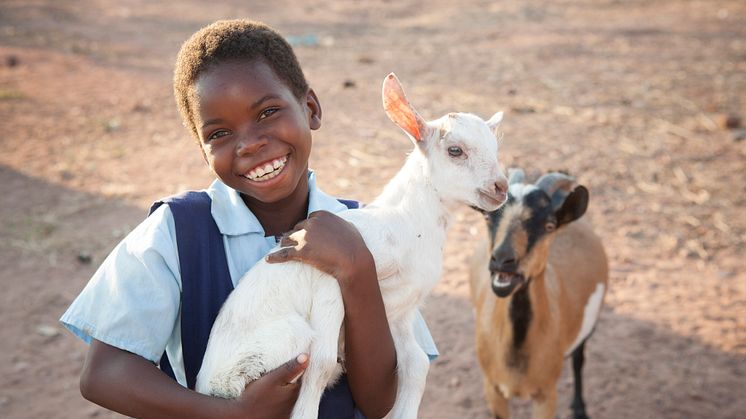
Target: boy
[(241, 92)]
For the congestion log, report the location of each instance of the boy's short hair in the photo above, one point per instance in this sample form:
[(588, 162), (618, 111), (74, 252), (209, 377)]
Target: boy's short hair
[(230, 41)]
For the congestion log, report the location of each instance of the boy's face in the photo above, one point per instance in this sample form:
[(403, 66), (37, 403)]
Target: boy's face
[(255, 134)]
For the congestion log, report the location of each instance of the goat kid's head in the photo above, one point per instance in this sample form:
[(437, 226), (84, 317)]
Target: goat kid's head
[(460, 150), (523, 230)]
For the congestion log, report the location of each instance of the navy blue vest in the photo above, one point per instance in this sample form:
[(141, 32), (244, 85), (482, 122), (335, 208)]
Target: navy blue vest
[(206, 283)]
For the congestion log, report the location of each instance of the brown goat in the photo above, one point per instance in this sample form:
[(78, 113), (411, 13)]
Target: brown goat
[(538, 286)]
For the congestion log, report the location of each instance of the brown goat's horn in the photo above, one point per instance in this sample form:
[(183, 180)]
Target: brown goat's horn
[(557, 186)]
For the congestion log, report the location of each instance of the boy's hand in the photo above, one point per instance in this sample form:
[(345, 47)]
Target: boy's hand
[(328, 243), (274, 394)]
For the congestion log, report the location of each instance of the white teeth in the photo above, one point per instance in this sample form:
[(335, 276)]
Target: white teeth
[(268, 171), (496, 282)]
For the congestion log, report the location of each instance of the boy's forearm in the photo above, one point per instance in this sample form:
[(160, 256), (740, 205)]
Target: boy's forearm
[(370, 355), (129, 384)]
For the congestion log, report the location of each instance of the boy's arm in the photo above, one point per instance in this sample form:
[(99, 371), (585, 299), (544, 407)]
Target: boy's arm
[(370, 355), (334, 246), (129, 384)]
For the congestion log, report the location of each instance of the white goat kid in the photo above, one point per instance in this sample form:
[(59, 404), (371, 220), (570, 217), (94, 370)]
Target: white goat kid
[(280, 310)]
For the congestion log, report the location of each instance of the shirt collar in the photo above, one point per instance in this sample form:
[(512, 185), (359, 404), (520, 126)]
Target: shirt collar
[(234, 218)]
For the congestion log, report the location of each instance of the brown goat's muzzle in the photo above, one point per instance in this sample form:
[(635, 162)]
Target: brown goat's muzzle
[(504, 283)]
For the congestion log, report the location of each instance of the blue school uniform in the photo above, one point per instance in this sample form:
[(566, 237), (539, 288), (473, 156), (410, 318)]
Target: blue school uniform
[(141, 280)]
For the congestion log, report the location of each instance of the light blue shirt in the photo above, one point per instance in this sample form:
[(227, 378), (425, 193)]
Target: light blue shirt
[(133, 300)]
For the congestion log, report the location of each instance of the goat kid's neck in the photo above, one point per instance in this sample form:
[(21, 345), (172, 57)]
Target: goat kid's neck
[(412, 192)]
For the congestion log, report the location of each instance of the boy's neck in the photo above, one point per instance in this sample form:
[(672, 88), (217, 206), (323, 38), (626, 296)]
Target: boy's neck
[(279, 217)]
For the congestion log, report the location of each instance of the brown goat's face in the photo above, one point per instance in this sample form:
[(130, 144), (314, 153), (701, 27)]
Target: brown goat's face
[(521, 241), (522, 233)]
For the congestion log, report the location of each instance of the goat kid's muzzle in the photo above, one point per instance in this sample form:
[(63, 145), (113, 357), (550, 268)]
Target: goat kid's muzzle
[(491, 200), (504, 283)]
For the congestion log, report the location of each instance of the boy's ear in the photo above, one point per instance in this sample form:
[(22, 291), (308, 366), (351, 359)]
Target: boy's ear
[(314, 108)]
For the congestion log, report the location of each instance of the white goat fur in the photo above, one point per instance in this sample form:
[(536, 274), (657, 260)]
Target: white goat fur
[(280, 310)]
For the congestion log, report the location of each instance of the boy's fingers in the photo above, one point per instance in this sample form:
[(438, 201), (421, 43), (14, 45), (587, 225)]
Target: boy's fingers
[(318, 213), (288, 242), (313, 215), (298, 237), (280, 255), (289, 372)]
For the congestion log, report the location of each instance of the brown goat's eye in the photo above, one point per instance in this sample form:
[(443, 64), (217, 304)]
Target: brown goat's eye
[(550, 226), (455, 151)]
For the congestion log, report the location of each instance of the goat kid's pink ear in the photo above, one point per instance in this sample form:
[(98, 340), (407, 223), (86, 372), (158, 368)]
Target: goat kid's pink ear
[(400, 111)]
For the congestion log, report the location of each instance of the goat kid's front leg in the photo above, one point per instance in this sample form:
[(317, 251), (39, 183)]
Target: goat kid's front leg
[(412, 367), (326, 321)]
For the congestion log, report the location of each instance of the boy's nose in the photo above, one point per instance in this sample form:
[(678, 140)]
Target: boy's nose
[(250, 145)]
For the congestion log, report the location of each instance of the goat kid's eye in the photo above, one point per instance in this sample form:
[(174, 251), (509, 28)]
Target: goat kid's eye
[(550, 226), (455, 151)]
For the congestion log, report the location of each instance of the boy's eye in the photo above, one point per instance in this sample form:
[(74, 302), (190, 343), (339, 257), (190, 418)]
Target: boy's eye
[(267, 112), (217, 134), (455, 151)]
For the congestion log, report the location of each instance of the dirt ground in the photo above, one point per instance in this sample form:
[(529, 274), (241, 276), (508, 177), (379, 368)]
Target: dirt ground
[(631, 96)]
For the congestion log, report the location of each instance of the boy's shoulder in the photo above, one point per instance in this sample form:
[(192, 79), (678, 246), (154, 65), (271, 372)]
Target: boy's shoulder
[(188, 200), (230, 213)]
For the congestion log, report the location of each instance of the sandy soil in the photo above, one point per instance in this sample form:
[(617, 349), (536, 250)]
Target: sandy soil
[(630, 96)]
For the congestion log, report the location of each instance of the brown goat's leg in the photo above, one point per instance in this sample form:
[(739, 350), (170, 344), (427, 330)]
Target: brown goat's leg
[(578, 406), (545, 405), (497, 402)]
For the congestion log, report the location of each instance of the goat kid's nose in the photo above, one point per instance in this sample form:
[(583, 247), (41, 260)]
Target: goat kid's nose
[(501, 187)]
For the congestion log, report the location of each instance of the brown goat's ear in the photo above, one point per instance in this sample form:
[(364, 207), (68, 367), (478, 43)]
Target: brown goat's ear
[(401, 112), (575, 205)]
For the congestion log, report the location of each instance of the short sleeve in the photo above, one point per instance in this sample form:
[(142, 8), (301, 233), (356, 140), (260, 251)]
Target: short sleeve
[(423, 337), (132, 301)]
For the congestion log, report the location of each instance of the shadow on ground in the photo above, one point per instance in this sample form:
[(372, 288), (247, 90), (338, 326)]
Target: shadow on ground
[(657, 371), (53, 239)]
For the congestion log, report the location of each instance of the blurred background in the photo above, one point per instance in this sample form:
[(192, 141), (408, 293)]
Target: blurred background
[(643, 101)]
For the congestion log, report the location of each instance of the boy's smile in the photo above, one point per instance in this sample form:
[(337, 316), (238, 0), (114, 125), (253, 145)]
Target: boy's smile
[(264, 172), (255, 134)]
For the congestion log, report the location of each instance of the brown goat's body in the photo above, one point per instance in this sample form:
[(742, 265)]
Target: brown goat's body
[(557, 299)]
